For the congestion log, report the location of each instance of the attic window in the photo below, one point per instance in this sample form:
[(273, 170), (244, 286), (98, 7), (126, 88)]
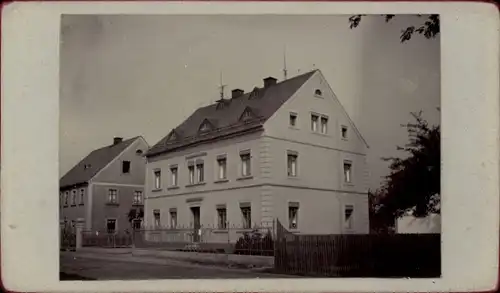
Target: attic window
[(138, 152), (205, 126), (254, 93), (172, 136), (318, 93)]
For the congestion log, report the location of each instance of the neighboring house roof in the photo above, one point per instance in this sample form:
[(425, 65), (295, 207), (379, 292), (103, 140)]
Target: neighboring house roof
[(226, 116), (87, 168)]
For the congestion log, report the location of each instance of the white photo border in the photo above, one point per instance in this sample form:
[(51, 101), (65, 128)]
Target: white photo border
[(470, 142)]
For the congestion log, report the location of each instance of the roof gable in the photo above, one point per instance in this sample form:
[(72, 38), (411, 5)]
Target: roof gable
[(94, 162), (263, 102)]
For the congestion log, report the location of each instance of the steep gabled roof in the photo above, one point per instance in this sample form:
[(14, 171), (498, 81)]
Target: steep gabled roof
[(87, 168), (263, 102)]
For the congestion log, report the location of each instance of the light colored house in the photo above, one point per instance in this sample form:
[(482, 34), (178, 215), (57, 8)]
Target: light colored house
[(408, 224), (105, 185), (284, 151)]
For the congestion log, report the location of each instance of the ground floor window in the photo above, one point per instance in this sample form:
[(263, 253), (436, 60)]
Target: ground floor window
[(221, 217), (111, 225), (348, 216), (173, 218), (156, 215), (136, 224), (293, 215), (246, 212)]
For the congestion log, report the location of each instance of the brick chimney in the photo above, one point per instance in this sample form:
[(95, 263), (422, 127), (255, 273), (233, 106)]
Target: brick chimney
[(117, 140), (269, 81), (236, 93)]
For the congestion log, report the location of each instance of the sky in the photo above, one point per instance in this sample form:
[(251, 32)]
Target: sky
[(130, 75)]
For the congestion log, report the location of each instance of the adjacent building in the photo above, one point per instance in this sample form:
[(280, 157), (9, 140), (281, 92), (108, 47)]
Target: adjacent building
[(286, 150), (104, 186)]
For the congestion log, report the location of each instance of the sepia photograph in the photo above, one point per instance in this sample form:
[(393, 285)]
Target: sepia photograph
[(249, 146)]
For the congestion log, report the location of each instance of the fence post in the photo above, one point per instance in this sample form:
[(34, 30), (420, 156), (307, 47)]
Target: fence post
[(79, 232)]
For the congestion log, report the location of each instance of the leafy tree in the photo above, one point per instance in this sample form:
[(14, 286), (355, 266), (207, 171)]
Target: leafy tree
[(430, 28), (135, 214), (413, 184)]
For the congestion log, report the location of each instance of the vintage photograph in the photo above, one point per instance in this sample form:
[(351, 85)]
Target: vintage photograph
[(249, 146)]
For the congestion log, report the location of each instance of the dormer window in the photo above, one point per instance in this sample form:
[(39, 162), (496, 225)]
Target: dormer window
[(172, 135), (86, 166), (254, 93), (205, 126), (246, 115), (318, 93)]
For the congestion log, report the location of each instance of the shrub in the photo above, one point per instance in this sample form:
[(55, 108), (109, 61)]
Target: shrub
[(255, 243)]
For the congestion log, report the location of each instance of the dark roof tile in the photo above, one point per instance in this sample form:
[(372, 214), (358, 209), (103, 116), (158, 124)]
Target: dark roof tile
[(263, 102)]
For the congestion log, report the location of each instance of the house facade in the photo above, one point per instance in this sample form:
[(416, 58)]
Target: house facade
[(284, 151), (104, 186)]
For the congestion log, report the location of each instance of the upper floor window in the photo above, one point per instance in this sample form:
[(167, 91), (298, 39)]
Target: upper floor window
[(113, 196), (324, 124), (344, 132), (222, 166), (200, 172), (221, 217), (347, 171), (246, 166), (82, 195), (137, 197), (174, 173), (293, 119), (292, 164), (157, 176), (73, 197), (191, 174), (126, 167), (314, 122), (318, 93), (66, 196)]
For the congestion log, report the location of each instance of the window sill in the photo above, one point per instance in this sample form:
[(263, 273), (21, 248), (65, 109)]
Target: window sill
[(81, 204), (221, 231), (196, 184), (320, 134), (349, 184), (173, 187), (344, 139), (156, 190), (221, 181), (318, 96), (242, 231), (112, 204), (245, 177), (293, 177), (138, 204), (73, 205), (293, 127), (65, 206)]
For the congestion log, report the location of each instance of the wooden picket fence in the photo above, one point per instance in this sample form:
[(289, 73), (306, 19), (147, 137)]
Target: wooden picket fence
[(397, 255)]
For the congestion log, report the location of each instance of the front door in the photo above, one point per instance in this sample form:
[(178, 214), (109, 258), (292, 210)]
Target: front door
[(196, 223)]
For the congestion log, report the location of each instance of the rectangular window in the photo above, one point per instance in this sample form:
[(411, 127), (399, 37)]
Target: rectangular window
[(191, 174), (344, 132), (173, 173), (314, 122), (156, 216), (173, 219), (293, 215), (73, 197), (324, 124), (157, 175), (111, 225), (347, 171), (200, 173), (82, 196), (66, 196), (246, 167), (222, 217), (113, 196), (136, 224), (126, 167), (348, 216), (222, 165), (137, 197), (293, 119), (246, 213), (292, 164)]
